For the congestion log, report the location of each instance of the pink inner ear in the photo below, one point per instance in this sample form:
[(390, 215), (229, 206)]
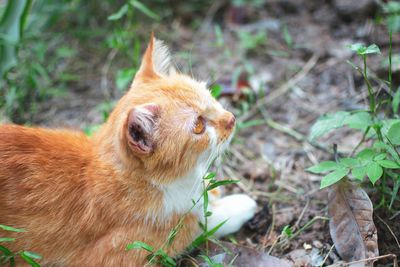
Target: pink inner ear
[(153, 108), (142, 121)]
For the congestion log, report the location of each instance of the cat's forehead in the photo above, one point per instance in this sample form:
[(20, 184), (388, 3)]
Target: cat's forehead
[(193, 94)]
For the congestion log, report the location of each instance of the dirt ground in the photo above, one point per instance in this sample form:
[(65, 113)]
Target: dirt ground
[(303, 74)]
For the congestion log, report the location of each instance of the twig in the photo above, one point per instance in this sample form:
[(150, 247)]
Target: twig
[(267, 235), (281, 90), (243, 183), (308, 224), (302, 214), (327, 255), (361, 142), (390, 230), (395, 215), (216, 5), (292, 133), (104, 73), (393, 256)]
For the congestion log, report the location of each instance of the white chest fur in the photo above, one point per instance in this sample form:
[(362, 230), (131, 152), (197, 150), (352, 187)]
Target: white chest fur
[(180, 194)]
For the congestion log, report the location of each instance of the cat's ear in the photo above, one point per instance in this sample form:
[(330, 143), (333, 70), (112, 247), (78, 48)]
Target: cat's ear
[(156, 61), (141, 124)]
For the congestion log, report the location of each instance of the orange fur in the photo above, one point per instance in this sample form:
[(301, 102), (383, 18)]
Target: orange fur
[(82, 200)]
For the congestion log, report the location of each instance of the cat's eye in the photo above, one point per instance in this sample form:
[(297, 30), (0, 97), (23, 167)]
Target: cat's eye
[(199, 126)]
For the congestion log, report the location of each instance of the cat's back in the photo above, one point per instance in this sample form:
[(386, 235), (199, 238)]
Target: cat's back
[(29, 140), (28, 151)]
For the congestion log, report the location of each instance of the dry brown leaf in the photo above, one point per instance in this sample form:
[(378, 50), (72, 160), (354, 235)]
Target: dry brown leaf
[(351, 224), (238, 255)]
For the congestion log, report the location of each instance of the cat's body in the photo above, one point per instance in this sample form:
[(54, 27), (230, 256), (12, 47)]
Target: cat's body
[(82, 200)]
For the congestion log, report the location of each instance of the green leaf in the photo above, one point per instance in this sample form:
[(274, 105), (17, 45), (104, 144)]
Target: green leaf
[(91, 129), (139, 245), (209, 176), (324, 166), (380, 157), (11, 229), (327, 123), (374, 172), (219, 183), (372, 49), (392, 8), (250, 123), (334, 177), (32, 255), (11, 27), (65, 52), (395, 190), (366, 154), (287, 230), (144, 9), (120, 13), (8, 254), (388, 164), (204, 236), (394, 134), (216, 90), (287, 37), (349, 162), (359, 172), (396, 101), (24, 255), (360, 49), (124, 77), (7, 239), (359, 120), (209, 262), (205, 201)]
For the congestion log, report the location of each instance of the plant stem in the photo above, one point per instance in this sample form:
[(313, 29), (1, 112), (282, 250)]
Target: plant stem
[(390, 60), (369, 86)]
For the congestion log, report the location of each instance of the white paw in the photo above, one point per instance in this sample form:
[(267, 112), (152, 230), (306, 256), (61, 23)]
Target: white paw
[(236, 209)]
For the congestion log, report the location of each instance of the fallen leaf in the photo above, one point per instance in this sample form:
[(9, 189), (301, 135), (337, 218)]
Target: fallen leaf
[(225, 253), (351, 224)]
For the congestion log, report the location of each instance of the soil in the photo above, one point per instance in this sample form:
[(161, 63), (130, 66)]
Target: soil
[(270, 162)]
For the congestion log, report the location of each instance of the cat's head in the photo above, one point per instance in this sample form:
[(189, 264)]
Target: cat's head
[(169, 121)]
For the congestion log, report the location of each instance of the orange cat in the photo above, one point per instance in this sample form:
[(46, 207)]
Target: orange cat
[(82, 200)]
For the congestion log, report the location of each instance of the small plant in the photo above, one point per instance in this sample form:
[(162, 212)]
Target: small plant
[(250, 41), (160, 256), (380, 159), (7, 256)]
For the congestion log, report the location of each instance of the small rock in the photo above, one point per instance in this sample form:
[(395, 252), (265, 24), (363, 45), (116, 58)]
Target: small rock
[(307, 246), (317, 244), (299, 257)]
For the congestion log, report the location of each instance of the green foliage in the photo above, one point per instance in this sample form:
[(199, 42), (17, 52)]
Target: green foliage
[(287, 231), (360, 120), (392, 10), (327, 123), (382, 158), (250, 41), (133, 4), (11, 229), (287, 37), (12, 25), (216, 90), (362, 50), (7, 256)]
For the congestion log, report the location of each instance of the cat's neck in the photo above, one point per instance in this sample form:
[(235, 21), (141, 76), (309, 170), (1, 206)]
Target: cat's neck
[(130, 186)]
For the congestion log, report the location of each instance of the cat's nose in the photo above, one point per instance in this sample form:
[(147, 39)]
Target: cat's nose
[(231, 123)]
